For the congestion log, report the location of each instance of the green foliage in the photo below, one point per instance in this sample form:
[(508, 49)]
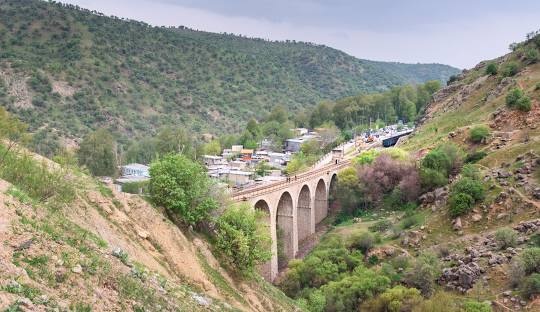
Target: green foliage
[(492, 69), (362, 241), (531, 285), (366, 157), (136, 187), (475, 306), (168, 76), (513, 96), (531, 260), (381, 226), (242, 236), (348, 193), (97, 152), (506, 237), (479, 134), (468, 185), (212, 148), (437, 165), (524, 104), (395, 299), (37, 179), (510, 69), (517, 99), (363, 284), (423, 273), (532, 55), (470, 171), (182, 186), (475, 156)]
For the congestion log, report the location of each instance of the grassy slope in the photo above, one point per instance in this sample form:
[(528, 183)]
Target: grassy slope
[(161, 267), (134, 78), (456, 112)]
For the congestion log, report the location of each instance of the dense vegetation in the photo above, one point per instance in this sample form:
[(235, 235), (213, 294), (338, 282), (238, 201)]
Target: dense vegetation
[(83, 70)]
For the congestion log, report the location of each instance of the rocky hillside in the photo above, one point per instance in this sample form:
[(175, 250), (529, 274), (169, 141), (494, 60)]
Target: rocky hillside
[(72, 70), (509, 158), (103, 251)]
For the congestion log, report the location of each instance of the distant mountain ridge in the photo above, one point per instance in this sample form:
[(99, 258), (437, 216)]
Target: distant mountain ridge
[(73, 70)]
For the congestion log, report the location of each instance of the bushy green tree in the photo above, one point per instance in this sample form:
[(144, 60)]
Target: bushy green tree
[(97, 152), (531, 260), (531, 285), (423, 274), (475, 306), (491, 69), (395, 299), (182, 186), (212, 148), (464, 193), (346, 294), (479, 134), (243, 237), (531, 55), (510, 69)]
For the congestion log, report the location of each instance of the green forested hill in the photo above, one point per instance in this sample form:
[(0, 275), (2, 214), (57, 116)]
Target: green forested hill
[(73, 70)]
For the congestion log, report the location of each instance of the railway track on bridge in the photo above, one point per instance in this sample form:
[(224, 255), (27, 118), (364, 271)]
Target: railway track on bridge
[(246, 194)]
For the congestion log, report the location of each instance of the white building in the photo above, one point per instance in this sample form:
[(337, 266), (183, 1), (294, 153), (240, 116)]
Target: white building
[(135, 170)]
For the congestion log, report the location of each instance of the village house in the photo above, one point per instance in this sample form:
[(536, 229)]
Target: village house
[(135, 170)]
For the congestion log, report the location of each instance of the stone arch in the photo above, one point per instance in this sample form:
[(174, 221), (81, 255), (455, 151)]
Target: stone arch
[(266, 268), (285, 229), (332, 190), (321, 201), (304, 211)]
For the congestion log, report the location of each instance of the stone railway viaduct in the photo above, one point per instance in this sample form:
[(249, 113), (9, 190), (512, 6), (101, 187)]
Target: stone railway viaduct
[(293, 209)]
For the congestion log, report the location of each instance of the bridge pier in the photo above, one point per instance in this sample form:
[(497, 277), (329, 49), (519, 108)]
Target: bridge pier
[(293, 210)]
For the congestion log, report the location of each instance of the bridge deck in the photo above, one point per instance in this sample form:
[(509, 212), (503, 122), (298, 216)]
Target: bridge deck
[(299, 178)]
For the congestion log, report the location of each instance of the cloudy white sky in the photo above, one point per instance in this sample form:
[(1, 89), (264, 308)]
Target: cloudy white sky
[(455, 32)]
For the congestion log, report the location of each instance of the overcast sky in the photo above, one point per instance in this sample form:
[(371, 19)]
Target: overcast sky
[(455, 32)]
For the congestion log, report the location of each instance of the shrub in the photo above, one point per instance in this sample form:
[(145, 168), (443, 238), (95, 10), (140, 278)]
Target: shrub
[(491, 69), (469, 186), (479, 134), (510, 69), (531, 285), (437, 165), (440, 302), (410, 221), (242, 236), (423, 274), (531, 55), (475, 156), (367, 157), (524, 104), (395, 299), (432, 178), (182, 186), (516, 272), (505, 238), (460, 203), (381, 226), (470, 171), (475, 306), (135, 187), (517, 99), (363, 242), (348, 293), (513, 96), (385, 174), (531, 260)]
